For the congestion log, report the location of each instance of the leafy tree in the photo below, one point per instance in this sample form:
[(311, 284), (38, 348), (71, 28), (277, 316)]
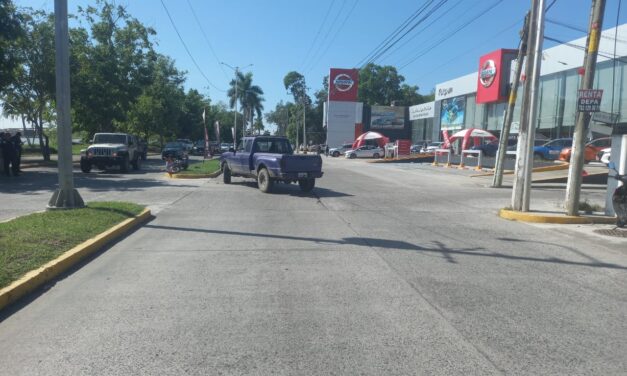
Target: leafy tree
[(382, 85), (10, 33), (280, 117), (190, 124), (295, 83), (31, 94)]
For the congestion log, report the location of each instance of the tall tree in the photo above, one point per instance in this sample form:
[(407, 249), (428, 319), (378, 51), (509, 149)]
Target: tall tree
[(10, 33), (382, 85), (249, 96)]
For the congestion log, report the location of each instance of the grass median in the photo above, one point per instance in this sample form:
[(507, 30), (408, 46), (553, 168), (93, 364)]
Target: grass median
[(29, 242), (203, 168)]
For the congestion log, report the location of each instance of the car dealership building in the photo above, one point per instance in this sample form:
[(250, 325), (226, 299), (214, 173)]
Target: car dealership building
[(479, 99)]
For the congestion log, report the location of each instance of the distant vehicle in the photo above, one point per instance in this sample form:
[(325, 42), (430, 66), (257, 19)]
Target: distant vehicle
[(366, 151), (432, 146), (551, 150), (177, 151), (111, 149), (491, 148), (604, 155), (225, 146), (336, 152), (186, 142), (590, 151), (268, 160)]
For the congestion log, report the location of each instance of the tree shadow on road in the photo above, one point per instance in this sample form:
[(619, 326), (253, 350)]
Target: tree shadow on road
[(435, 247)]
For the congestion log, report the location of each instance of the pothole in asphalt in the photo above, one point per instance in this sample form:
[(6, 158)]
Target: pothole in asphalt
[(616, 232)]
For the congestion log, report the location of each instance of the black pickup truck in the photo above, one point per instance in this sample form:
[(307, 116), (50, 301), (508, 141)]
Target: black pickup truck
[(270, 159)]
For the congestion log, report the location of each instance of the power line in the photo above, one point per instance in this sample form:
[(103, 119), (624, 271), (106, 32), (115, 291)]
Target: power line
[(331, 27), (324, 20), (187, 49), (583, 48), (206, 39), (433, 10), (423, 29), (336, 34), (450, 35), (394, 33), (581, 29)]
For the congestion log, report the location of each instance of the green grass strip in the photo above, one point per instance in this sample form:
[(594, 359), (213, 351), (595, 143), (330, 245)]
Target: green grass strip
[(28, 242), (202, 168)]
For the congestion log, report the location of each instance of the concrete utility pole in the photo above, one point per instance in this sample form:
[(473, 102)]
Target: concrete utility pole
[(65, 197), (529, 109), (236, 70), (573, 187), (497, 180)]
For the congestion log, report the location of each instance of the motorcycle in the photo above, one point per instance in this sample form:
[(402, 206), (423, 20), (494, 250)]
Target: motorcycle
[(619, 198)]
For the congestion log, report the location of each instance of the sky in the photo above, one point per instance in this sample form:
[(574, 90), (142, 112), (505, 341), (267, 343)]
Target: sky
[(278, 36)]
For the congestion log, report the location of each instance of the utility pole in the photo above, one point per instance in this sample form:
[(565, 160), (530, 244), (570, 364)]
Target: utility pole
[(529, 109), (236, 70), (573, 187), (497, 181), (65, 197)]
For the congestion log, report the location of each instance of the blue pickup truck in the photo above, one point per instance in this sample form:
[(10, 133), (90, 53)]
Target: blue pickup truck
[(268, 160)]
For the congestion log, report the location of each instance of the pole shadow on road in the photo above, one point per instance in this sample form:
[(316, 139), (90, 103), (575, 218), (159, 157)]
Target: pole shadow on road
[(294, 190), (393, 244)]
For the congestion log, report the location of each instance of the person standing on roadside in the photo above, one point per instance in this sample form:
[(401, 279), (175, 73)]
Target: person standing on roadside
[(8, 154), (17, 146)]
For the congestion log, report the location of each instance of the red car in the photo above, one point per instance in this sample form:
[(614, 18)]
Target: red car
[(591, 150)]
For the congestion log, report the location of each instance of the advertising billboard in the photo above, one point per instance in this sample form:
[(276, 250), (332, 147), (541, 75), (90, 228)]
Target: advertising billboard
[(493, 77), (421, 111), (343, 84), (452, 113), (387, 117)]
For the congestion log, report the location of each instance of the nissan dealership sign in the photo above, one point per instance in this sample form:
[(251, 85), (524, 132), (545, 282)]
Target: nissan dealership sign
[(343, 84), (493, 81), (422, 111), (487, 74)]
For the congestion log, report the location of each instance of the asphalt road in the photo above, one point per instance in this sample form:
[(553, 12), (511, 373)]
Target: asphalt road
[(382, 270)]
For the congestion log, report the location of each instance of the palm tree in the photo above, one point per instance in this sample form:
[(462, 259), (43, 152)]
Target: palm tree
[(250, 96)]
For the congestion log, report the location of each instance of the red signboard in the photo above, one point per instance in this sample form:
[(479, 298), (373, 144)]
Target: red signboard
[(343, 84), (403, 147), (493, 76)]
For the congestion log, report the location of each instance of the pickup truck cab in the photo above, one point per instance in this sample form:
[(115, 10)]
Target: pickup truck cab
[(268, 160)]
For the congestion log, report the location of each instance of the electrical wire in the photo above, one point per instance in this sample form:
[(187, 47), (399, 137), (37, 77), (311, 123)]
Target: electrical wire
[(583, 48), (451, 34), (433, 10), (187, 49), (324, 20), (581, 29), (335, 35), (324, 39), (394, 33), (206, 39)]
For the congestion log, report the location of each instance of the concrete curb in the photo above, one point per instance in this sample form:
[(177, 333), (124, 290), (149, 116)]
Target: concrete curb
[(562, 166), (540, 217), (36, 278), (195, 176)]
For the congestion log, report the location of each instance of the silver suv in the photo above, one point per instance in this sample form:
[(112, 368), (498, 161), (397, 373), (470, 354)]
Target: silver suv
[(111, 149)]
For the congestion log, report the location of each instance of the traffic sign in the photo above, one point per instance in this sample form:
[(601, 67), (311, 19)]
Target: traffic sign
[(589, 100)]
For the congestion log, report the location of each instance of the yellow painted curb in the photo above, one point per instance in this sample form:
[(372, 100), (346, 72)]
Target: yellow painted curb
[(36, 278), (562, 166), (194, 176), (537, 217)]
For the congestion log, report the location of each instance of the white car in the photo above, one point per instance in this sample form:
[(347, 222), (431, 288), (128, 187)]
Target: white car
[(366, 151), (336, 152), (604, 155), (431, 147)]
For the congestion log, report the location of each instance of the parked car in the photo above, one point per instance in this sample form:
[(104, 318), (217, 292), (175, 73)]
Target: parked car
[(491, 148), (551, 150), (111, 149), (268, 160), (590, 151), (604, 155), (432, 146), (336, 152), (187, 143), (366, 151), (177, 151)]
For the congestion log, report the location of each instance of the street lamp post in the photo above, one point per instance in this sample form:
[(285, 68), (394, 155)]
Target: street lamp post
[(236, 70)]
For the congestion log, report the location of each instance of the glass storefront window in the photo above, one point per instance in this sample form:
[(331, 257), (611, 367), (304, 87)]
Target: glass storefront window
[(570, 98), (549, 94)]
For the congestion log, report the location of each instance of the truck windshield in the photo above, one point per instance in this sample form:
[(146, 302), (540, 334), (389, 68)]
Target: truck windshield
[(276, 146), (110, 139)]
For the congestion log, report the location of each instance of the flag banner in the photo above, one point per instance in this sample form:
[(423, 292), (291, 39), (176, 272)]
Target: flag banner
[(234, 137), (217, 129), (207, 154), (203, 115)]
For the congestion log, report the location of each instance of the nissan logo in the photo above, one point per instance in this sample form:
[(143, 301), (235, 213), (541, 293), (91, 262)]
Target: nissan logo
[(343, 82), (487, 74)]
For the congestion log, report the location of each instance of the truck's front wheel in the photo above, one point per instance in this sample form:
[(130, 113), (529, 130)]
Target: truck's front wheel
[(264, 181), (306, 185), (85, 166), (226, 174)]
